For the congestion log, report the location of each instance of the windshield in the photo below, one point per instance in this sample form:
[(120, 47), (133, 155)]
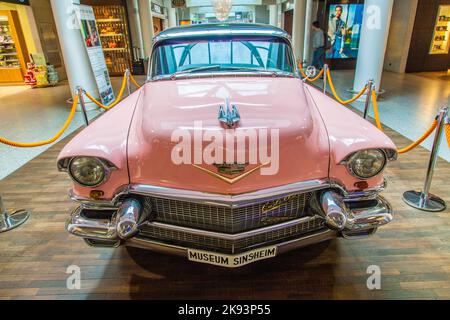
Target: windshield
[(240, 54)]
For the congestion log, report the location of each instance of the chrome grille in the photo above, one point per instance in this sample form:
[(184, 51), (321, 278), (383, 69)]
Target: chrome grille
[(225, 219), (227, 246)]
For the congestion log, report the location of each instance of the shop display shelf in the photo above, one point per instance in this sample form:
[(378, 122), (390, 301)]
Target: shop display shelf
[(115, 49), (111, 34), (109, 20)]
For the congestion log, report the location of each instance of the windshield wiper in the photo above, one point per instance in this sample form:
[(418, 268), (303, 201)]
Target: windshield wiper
[(273, 72), (245, 69)]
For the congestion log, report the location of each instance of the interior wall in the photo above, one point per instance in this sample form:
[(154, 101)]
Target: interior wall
[(400, 34), (419, 58)]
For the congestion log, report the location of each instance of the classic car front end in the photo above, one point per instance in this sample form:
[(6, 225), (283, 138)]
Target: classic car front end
[(323, 163)]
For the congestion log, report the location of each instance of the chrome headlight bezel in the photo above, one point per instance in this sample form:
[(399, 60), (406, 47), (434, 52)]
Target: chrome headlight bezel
[(350, 161), (66, 164)]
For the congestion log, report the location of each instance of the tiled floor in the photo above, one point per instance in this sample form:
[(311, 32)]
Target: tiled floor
[(409, 106)]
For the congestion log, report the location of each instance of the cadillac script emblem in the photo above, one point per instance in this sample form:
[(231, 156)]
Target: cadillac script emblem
[(273, 216), (230, 116), (230, 168), (275, 204)]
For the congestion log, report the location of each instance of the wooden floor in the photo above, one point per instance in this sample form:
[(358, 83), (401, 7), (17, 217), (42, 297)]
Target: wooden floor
[(413, 252)]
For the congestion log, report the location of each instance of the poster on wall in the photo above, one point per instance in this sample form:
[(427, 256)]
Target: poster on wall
[(344, 26), (91, 38)]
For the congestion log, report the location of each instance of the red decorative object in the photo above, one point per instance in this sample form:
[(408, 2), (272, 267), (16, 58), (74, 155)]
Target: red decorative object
[(30, 78)]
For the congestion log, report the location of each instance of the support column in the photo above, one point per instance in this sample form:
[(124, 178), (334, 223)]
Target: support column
[(76, 60), (298, 28), (280, 16), (145, 15), (273, 15), (307, 51), (372, 47), (135, 27), (171, 14)]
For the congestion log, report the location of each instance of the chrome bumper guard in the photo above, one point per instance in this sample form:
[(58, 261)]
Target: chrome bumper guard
[(345, 217)]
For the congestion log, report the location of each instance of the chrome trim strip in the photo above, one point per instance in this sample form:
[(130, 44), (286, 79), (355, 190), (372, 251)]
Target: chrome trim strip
[(215, 30), (283, 247), (234, 74), (369, 194), (366, 194), (93, 204), (236, 236), (232, 201)]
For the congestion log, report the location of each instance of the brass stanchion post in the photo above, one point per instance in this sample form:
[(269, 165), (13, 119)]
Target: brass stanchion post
[(369, 87), (80, 93), (325, 77), (424, 200), (12, 220)]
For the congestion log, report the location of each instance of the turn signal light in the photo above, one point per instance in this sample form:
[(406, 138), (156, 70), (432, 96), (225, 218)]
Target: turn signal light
[(96, 194), (361, 185)]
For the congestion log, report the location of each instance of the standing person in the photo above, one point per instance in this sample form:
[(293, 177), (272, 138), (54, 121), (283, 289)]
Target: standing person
[(336, 32), (318, 44)]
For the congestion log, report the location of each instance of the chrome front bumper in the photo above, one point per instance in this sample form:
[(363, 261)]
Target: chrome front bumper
[(348, 215)]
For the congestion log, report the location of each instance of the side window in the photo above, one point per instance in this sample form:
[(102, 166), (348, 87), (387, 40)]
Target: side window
[(157, 67)]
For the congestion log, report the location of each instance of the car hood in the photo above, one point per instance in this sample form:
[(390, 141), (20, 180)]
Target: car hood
[(169, 110)]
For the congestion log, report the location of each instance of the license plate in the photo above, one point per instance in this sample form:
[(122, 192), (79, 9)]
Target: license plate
[(232, 261)]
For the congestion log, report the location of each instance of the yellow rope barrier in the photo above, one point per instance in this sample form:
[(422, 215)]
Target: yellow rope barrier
[(375, 109), (45, 142), (119, 96), (447, 133), (421, 139), (306, 77), (413, 145), (333, 89), (70, 117), (133, 80)]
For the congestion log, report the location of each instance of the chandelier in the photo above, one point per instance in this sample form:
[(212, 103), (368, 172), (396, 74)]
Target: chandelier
[(222, 9)]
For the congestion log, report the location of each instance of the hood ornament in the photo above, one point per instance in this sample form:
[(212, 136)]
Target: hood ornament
[(230, 116)]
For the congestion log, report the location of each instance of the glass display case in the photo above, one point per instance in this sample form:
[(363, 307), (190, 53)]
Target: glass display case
[(112, 24), (440, 42), (13, 52)]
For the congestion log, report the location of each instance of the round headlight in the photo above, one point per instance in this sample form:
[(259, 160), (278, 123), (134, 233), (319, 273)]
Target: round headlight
[(87, 171), (367, 163)]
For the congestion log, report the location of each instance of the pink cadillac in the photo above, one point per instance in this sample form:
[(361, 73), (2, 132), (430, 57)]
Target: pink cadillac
[(225, 156)]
